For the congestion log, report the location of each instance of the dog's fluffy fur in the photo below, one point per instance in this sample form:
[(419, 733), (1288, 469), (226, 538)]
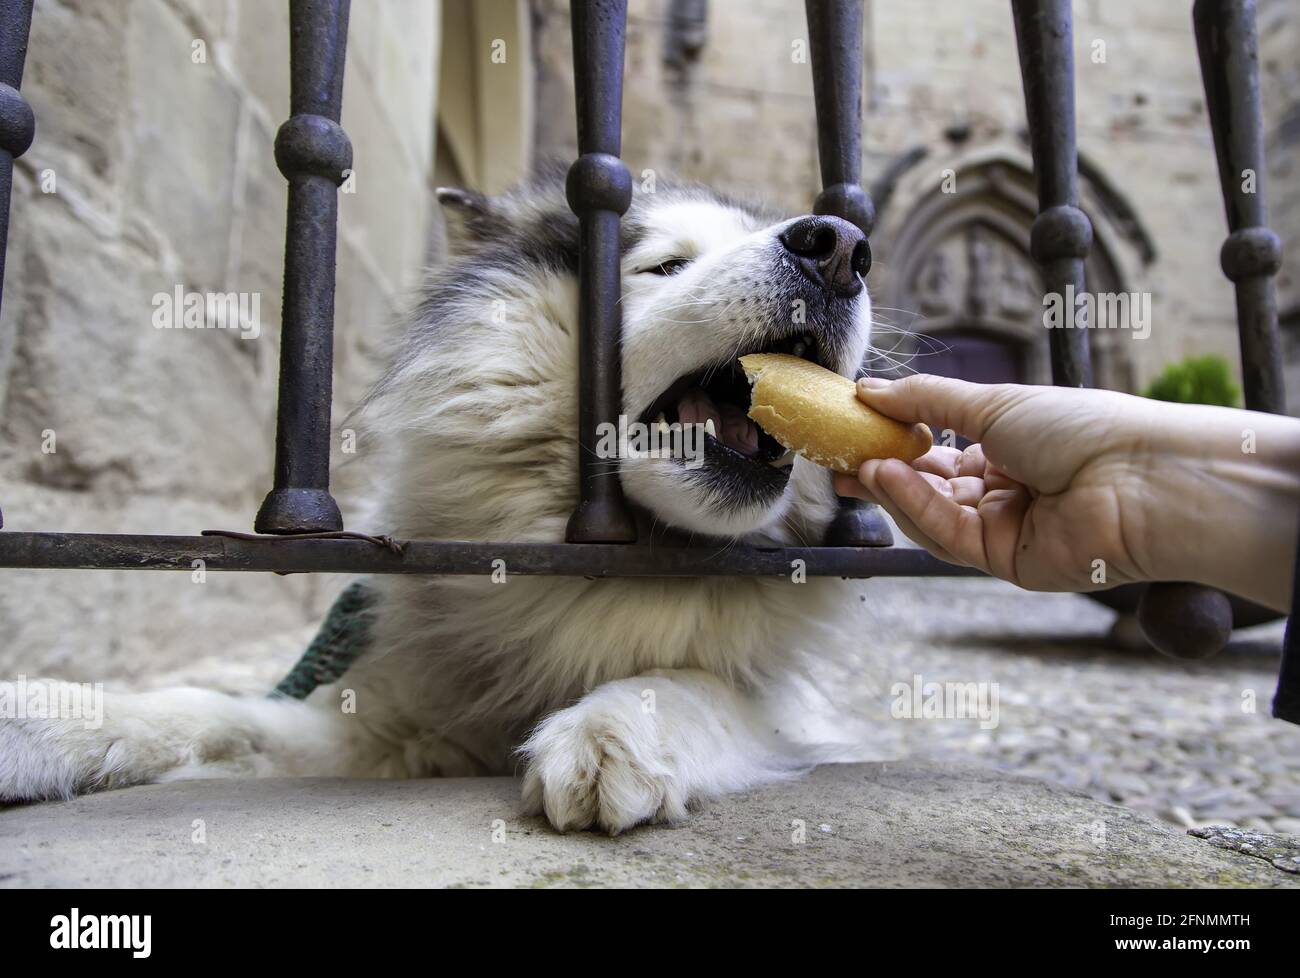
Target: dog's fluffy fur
[(623, 701)]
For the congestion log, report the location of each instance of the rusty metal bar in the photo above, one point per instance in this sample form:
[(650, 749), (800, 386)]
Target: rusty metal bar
[(1061, 234), (1186, 620), (1181, 620), (17, 121), (313, 152), (1286, 700), (835, 51), (287, 555), (1228, 46), (599, 189)]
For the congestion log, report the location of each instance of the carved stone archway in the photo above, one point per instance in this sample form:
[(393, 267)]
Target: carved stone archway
[(966, 294)]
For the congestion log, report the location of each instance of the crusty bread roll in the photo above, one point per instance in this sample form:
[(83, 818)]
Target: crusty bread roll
[(816, 412)]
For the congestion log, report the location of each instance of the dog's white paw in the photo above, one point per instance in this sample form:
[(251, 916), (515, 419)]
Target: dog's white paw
[(48, 750), (70, 739), (601, 764)]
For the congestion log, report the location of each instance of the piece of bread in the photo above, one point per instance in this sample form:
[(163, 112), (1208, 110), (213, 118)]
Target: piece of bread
[(816, 412)]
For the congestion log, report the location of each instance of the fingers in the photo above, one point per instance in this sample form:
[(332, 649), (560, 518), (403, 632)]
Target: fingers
[(943, 402), (943, 525), (995, 479), (847, 485), (940, 460), (952, 473), (972, 461), (909, 529), (952, 462), (966, 490)]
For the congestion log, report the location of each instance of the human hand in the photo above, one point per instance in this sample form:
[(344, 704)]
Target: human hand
[(1076, 490)]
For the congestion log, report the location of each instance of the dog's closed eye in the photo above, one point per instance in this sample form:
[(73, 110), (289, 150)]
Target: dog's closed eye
[(669, 266)]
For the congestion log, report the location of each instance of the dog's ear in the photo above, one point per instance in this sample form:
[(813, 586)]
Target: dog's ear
[(472, 217)]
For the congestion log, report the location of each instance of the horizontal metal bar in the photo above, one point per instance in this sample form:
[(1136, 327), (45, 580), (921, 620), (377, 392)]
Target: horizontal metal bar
[(287, 555)]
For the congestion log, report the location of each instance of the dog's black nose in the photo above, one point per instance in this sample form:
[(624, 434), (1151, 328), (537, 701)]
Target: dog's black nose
[(831, 251)]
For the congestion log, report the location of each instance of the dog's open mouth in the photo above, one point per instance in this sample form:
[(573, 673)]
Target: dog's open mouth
[(717, 396)]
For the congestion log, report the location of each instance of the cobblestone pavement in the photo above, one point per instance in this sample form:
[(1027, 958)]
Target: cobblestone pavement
[(1192, 743)]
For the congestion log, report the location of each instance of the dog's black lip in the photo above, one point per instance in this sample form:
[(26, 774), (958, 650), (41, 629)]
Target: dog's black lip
[(711, 442), (759, 475)]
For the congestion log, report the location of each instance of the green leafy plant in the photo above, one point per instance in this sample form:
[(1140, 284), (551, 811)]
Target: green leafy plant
[(1196, 380)]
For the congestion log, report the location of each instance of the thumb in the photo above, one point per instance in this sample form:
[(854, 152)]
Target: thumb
[(942, 402)]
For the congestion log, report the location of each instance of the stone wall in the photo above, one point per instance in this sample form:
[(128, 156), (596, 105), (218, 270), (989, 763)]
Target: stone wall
[(943, 80), (152, 168)]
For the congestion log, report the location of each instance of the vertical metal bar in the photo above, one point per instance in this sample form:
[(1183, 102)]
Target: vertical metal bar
[(835, 50), (312, 151), (1189, 620), (1286, 700), (17, 121), (1180, 620), (1228, 46), (1061, 234), (599, 189)]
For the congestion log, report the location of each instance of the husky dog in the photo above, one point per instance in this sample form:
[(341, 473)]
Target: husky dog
[(622, 701)]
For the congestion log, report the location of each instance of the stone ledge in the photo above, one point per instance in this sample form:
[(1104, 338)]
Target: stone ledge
[(865, 825)]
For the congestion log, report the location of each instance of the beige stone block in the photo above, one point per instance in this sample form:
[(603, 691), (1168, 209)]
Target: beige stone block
[(387, 215), (180, 144), (132, 408), (211, 19), (258, 262), (404, 79), (1145, 18), (419, 25), (746, 52), (261, 56), (365, 320), (77, 84)]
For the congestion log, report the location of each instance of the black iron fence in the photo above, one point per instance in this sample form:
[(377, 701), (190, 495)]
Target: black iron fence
[(299, 526)]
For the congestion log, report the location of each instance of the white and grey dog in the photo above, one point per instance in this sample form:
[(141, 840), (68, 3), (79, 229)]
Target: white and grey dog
[(624, 701)]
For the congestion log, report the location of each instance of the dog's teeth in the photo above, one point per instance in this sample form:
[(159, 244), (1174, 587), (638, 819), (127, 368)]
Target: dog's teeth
[(783, 461), (661, 419), (709, 428), (662, 425)]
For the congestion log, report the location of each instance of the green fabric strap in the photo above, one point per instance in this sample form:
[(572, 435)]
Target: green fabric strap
[(342, 637)]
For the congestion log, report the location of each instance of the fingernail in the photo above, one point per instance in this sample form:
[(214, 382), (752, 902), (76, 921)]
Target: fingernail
[(873, 383)]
